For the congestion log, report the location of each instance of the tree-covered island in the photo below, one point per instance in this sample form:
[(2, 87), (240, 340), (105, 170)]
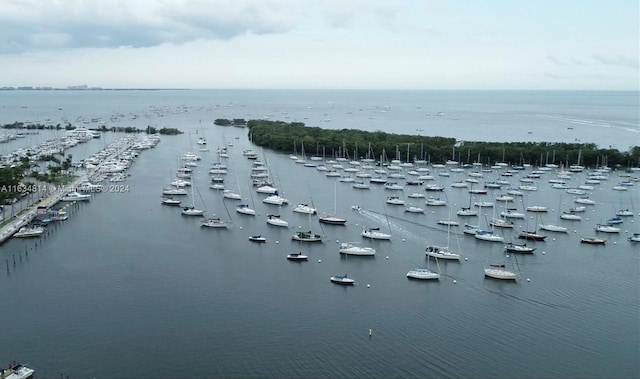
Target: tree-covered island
[(356, 144)]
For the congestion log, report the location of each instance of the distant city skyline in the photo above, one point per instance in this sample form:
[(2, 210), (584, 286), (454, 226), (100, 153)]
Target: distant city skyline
[(330, 44)]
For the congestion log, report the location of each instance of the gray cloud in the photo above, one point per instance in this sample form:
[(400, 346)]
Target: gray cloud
[(43, 24), (617, 60), (555, 60)]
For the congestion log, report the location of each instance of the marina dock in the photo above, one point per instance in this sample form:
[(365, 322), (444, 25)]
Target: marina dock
[(109, 161)]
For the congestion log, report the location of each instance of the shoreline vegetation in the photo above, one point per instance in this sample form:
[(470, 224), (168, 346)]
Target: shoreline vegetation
[(102, 128), (357, 144)]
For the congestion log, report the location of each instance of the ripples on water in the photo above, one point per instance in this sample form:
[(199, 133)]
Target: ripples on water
[(128, 288)]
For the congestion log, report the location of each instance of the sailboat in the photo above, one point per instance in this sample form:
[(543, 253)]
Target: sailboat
[(424, 273), (244, 208), (332, 219), (442, 252), (553, 227), (191, 210), (307, 236), (344, 280), (499, 271), (488, 235), (275, 220)]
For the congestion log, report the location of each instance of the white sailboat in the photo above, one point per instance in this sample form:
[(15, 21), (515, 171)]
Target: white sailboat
[(354, 248), (191, 210), (443, 252), (333, 219), (275, 220)]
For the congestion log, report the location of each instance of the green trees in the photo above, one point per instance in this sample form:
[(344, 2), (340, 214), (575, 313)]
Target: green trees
[(282, 136)]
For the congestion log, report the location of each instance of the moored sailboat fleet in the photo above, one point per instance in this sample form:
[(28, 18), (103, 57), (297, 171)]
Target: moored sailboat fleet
[(512, 223)]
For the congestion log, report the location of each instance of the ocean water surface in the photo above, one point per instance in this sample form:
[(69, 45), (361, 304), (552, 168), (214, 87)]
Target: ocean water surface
[(127, 287)]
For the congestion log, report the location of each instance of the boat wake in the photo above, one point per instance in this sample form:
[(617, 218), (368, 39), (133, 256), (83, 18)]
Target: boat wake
[(626, 126)]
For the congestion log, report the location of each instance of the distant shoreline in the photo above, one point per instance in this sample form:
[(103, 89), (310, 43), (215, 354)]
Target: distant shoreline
[(89, 89)]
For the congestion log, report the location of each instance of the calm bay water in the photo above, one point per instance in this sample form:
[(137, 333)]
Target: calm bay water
[(129, 288)]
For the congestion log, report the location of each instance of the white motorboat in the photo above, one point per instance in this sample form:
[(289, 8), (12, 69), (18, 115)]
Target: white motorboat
[(537, 208), (180, 183), (488, 235), (358, 184), (168, 200), (229, 194), (394, 200), (275, 220), (499, 272), (433, 187), (245, 210), (393, 186), (352, 248), (257, 238), (16, 371), (510, 213), (584, 200), (435, 202), (423, 274), (275, 200), (570, 216), (415, 195), (267, 189), (375, 233), (192, 211), (412, 209), (635, 237), (342, 279), (606, 228), (305, 208), (76, 196), (297, 257), (624, 213), (174, 191), (470, 229), (441, 253), (213, 222), (466, 212), (448, 222), (29, 232), (553, 228)]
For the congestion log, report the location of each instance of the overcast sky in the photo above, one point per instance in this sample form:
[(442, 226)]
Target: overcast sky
[(357, 44)]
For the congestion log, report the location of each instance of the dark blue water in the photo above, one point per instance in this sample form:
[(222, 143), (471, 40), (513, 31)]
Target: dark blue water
[(129, 288)]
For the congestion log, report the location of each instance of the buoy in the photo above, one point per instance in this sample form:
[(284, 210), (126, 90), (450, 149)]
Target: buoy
[(466, 259), (387, 257), (507, 255), (337, 241), (544, 252), (241, 227), (615, 242), (277, 242), (528, 280), (370, 332), (553, 239), (455, 281), (319, 260), (368, 285), (403, 240)]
